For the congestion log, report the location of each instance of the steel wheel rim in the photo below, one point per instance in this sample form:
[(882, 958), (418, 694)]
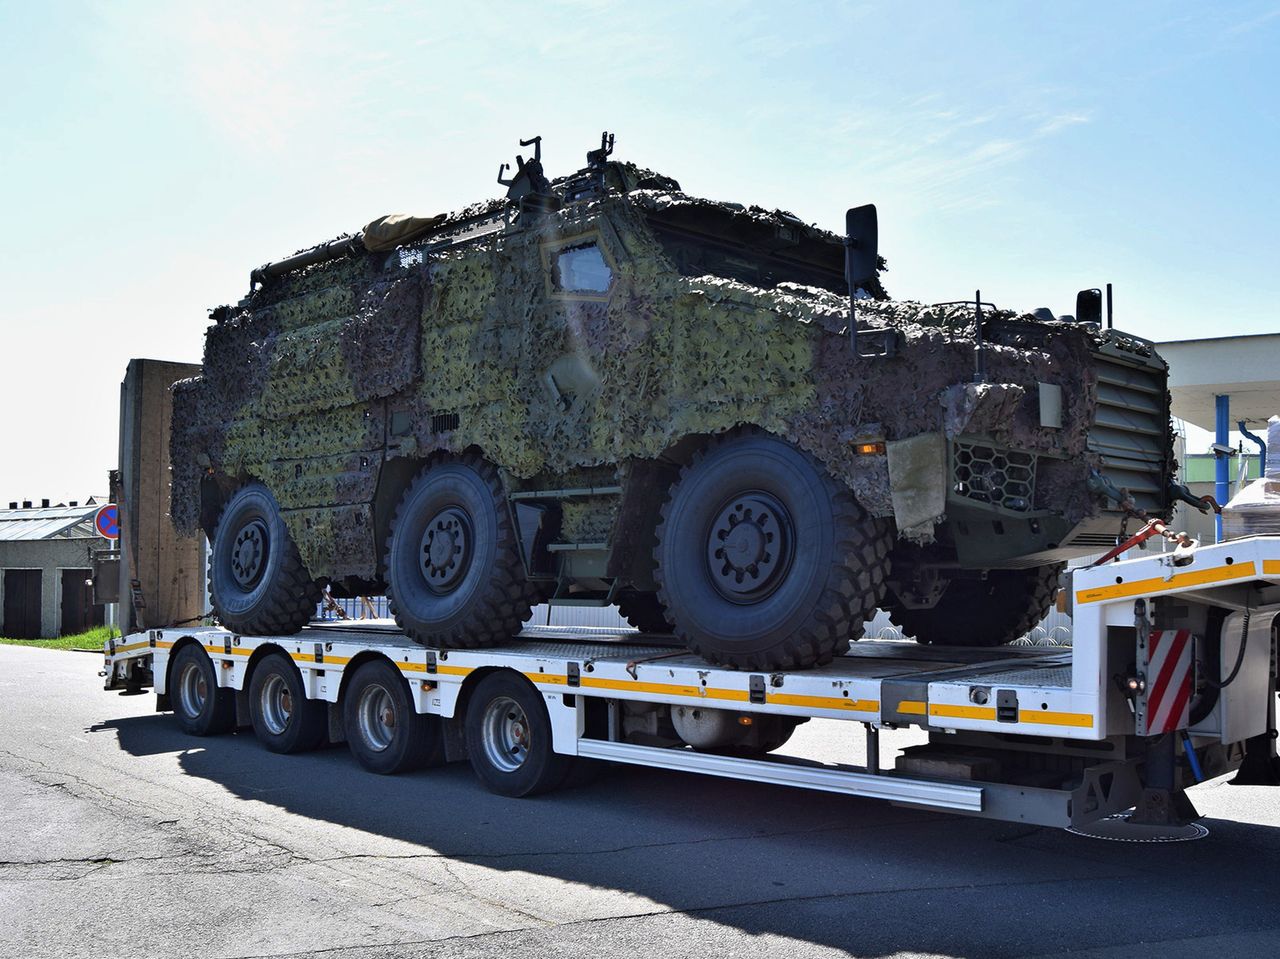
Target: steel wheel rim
[(378, 718), (505, 733), (445, 549), (276, 702), (750, 545), (250, 550), (193, 689)]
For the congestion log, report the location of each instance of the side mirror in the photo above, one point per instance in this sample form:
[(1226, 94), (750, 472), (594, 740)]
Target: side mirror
[(1089, 307), (861, 239)]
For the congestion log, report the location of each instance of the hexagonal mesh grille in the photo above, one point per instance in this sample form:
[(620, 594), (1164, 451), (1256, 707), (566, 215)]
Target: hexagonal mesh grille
[(989, 474)]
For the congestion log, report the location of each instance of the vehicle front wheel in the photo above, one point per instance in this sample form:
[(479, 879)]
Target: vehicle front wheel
[(993, 610), (763, 560)]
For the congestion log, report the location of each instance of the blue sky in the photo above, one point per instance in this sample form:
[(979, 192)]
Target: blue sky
[(151, 154)]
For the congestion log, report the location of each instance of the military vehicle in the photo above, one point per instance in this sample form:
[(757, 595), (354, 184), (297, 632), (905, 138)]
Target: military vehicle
[(600, 390)]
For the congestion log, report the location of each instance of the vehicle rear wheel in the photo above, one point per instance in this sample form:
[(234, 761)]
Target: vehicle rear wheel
[(994, 611), (454, 574), (763, 560), (509, 738), (384, 731), (257, 582), (200, 705), (644, 611), (284, 719)]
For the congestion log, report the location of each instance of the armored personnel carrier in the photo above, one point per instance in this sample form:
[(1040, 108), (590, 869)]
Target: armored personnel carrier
[(599, 389)]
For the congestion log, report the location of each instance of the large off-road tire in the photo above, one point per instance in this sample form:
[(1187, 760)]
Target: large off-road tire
[(200, 705), (763, 560), (384, 731), (644, 611), (283, 718), (257, 583), (509, 738), (1004, 606), (454, 574)]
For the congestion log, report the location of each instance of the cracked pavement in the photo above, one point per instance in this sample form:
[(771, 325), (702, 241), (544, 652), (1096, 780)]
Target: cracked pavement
[(120, 836)]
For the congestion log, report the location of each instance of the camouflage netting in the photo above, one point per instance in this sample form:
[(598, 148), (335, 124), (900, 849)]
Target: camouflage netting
[(309, 382)]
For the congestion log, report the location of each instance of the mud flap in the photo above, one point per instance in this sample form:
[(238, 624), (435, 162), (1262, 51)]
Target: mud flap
[(918, 481)]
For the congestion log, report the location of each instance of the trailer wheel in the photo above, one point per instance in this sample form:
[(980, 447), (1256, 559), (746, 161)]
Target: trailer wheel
[(994, 611), (386, 734), (257, 582), (763, 560), (284, 719), (509, 738), (200, 705), (454, 574), (644, 611)]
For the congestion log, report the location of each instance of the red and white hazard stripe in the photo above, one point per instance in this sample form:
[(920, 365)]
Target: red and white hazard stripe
[(1168, 681)]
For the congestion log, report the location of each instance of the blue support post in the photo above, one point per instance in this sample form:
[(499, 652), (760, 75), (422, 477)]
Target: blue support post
[(1222, 464)]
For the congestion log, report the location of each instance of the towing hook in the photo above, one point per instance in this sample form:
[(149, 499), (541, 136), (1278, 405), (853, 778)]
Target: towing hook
[(1203, 503)]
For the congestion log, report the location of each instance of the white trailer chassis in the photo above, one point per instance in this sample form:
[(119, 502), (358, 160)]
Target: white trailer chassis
[(1039, 735)]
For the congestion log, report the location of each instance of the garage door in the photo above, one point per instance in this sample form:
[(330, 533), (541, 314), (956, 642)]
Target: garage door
[(78, 611), (21, 604)]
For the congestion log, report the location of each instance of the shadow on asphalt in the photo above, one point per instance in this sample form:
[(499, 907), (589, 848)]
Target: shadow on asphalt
[(837, 871)]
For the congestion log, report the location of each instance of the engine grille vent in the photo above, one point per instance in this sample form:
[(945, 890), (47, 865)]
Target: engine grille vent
[(444, 422), (1131, 428), (988, 474)]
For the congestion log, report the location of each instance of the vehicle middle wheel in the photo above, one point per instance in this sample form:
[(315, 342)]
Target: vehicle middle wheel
[(385, 733), (284, 719), (644, 611), (454, 574), (763, 560)]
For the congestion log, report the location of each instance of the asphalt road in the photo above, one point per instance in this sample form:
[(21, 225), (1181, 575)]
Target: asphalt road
[(120, 836)]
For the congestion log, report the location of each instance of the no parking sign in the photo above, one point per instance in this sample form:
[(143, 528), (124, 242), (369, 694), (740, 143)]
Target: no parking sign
[(107, 521)]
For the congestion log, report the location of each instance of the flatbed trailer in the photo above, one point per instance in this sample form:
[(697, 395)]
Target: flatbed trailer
[(1170, 680)]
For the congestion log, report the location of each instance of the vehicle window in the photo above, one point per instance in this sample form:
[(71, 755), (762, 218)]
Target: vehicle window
[(582, 269)]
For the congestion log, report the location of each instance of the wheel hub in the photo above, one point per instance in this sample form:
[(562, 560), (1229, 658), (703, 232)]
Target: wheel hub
[(249, 553), (506, 738), (377, 717), (749, 547), (446, 549)]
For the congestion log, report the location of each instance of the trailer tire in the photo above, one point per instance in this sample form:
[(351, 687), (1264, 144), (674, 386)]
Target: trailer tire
[(763, 560), (509, 738), (994, 611), (200, 705), (283, 718), (257, 583), (384, 731), (454, 574)]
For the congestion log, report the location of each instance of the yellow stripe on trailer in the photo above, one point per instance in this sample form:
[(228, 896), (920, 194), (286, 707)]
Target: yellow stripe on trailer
[(824, 702), (1158, 584), (1045, 717)]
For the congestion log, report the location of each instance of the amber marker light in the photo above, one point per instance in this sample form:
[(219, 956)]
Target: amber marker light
[(868, 449)]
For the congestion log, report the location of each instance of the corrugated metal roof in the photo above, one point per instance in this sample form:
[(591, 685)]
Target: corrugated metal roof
[(52, 522)]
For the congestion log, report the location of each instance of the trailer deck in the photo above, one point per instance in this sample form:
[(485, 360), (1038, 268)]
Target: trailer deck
[(1047, 735)]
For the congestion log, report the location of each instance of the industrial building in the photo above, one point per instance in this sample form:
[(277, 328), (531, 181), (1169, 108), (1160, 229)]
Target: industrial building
[(46, 561)]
